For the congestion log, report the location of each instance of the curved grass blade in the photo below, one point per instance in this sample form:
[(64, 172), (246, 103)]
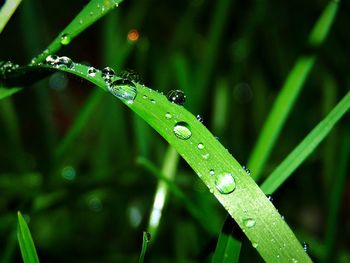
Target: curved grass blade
[(289, 92), (5, 92), (306, 147), (229, 244), (7, 11), (25, 240), (146, 238), (93, 11), (230, 184)]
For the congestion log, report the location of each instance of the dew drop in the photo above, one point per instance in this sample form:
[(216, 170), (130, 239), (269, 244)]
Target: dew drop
[(52, 59), (65, 39), (182, 130), (306, 247), (144, 96), (270, 198), (199, 118), (7, 67), (91, 71), (168, 115), (153, 101), (225, 183), (246, 169), (147, 236), (124, 90), (177, 96), (255, 245), (249, 222), (65, 62), (211, 172), (200, 146), (108, 73)]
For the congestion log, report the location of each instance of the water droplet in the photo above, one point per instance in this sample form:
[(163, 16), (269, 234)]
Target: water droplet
[(199, 118), (168, 115), (65, 39), (306, 247), (153, 101), (225, 183), (269, 197), (144, 96), (124, 90), (249, 222), (7, 67), (147, 236), (108, 73), (64, 61), (255, 245), (52, 59), (205, 156), (211, 172), (200, 146), (177, 96), (91, 71), (246, 169), (182, 130), (81, 21)]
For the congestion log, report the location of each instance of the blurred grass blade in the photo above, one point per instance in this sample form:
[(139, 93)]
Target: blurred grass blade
[(5, 92), (229, 244), (289, 92), (146, 238), (26, 242), (7, 11), (306, 147), (232, 187), (93, 11)]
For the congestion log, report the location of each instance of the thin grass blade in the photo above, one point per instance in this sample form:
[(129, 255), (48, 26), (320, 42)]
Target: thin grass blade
[(7, 11), (146, 238), (306, 147), (26, 243)]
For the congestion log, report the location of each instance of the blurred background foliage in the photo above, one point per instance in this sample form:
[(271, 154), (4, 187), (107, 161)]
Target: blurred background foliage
[(89, 199)]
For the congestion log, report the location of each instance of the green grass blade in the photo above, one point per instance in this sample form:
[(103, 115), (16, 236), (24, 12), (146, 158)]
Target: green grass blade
[(93, 11), (228, 247), (5, 92), (306, 147), (146, 238), (289, 93), (231, 186), (7, 11), (26, 243)]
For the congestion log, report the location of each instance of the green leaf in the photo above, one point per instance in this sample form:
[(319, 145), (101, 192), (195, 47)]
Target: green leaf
[(289, 92), (146, 238), (93, 11), (228, 182), (26, 243), (306, 147), (6, 92), (7, 11)]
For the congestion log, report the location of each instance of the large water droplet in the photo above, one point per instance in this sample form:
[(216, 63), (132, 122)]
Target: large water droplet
[(200, 146), (108, 74), (177, 96), (91, 71), (65, 39), (182, 130), (225, 183), (124, 90), (249, 222), (64, 61)]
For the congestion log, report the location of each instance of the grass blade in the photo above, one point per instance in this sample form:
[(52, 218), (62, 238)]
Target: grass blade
[(146, 238), (289, 93), (229, 244), (25, 240), (93, 11), (306, 147), (7, 11), (5, 92), (231, 186)]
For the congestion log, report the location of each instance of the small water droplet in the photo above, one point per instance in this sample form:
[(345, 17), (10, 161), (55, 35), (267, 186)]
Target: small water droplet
[(64, 61), (7, 66), (65, 39), (147, 236), (246, 169), (91, 71), (249, 222), (144, 96), (168, 115), (306, 247), (124, 90), (52, 59), (270, 198), (81, 21), (199, 118), (205, 156), (200, 146), (182, 130), (255, 245), (153, 101), (177, 96), (108, 73), (225, 183), (211, 172)]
